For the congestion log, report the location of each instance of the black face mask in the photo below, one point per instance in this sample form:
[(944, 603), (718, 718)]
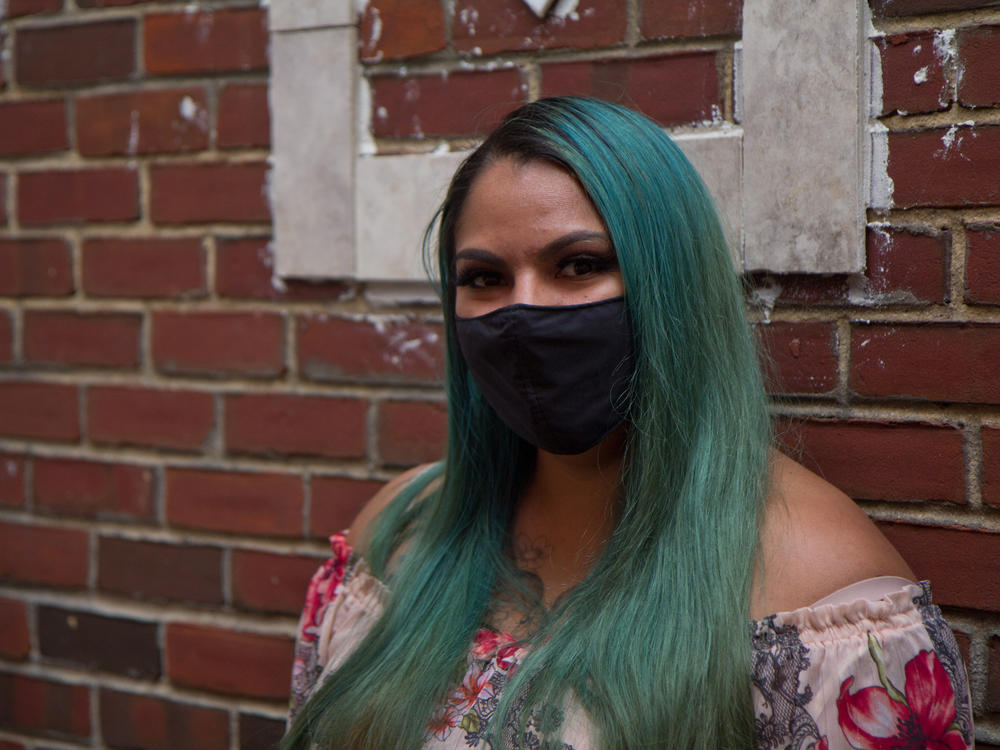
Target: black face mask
[(557, 376)]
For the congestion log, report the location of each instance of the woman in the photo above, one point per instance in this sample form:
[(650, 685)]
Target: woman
[(581, 568)]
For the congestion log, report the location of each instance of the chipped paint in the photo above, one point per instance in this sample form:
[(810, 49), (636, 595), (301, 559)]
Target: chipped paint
[(188, 109), (765, 296), (875, 86), (880, 187), (468, 18), (566, 9), (920, 76), (376, 32), (366, 142)]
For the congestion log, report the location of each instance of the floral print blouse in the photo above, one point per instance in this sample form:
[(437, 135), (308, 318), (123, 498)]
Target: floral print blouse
[(870, 673)]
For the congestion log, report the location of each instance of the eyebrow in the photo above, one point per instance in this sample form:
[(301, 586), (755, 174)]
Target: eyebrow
[(473, 253)]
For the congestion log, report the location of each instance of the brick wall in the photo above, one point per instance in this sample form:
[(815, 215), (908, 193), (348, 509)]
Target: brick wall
[(179, 430)]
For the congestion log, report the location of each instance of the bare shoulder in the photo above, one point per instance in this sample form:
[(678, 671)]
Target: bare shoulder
[(814, 541), (359, 533)]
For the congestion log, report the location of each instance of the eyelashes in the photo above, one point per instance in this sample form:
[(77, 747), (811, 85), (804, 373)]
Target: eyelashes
[(576, 266)]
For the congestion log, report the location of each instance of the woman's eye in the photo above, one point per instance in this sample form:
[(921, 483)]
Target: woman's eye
[(478, 279), (583, 266)]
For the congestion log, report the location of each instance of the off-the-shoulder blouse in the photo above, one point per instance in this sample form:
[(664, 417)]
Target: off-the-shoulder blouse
[(865, 668)]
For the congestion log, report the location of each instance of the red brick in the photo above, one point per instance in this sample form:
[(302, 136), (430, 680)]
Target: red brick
[(44, 555), (84, 339), (17, 8), (235, 502), (143, 267), (907, 267), (979, 50), (490, 26), (901, 461), (225, 661), (244, 269), (393, 29), (144, 721), (960, 563), (76, 53), (945, 167), (802, 357), (218, 343), (992, 678), (41, 411), (268, 582), (197, 192), (3, 177), (57, 709), (9, 745), (142, 122), (392, 350), (15, 642), (96, 642), (223, 40), (110, 3), (411, 432), (991, 465), (697, 19), (12, 488), (160, 571), (244, 116), (80, 195), (336, 502), (6, 338), (891, 8), (671, 89), (178, 419), (35, 267), (32, 127), (913, 77), (982, 264), (299, 425), (937, 362), (94, 489), (259, 732), (435, 105)]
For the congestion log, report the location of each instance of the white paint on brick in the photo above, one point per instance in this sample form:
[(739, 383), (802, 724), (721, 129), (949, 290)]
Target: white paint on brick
[(188, 109), (875, 91), (920, 76), (880, 184), (539, 7), (294, 15), (376, 32), (567, 9), (738, 82), (133, 132)]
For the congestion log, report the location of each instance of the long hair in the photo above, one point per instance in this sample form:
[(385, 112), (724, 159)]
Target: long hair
[(654, 643)]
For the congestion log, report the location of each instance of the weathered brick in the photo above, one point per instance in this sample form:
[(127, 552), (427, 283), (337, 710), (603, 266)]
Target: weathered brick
[(419, 106), (913, 77), (44, 555), (94, 489), (235, 502), (490, 26), (802, 357), (260, 732), (230, 662), (393, 29), (244, 269), (269, 582), (991, 465), (892, 8), (3, 177), (336, 501), (979, 50), (201, 192), (160, 571), (95, 642), (39, 411), (218, 343), (15, 641), (16, 8), (378, 349), (55, 709), (907, 267), (33, 127), (982, 264), (938, 362), (244, 116), (76, 53), (695, 19), (54, 337), (960, 563), (35, 267), (143, 267), (900, 461), (411, 432), (945, 166), (671, 89), (12, 487), (142, 122), (11, 745), (131, 720), (300, 425), (6, 337), (78, 195), (179, 419), (992, 678), (223, 40)]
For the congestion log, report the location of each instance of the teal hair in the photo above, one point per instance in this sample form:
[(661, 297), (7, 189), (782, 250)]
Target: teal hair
[(654, 643)]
